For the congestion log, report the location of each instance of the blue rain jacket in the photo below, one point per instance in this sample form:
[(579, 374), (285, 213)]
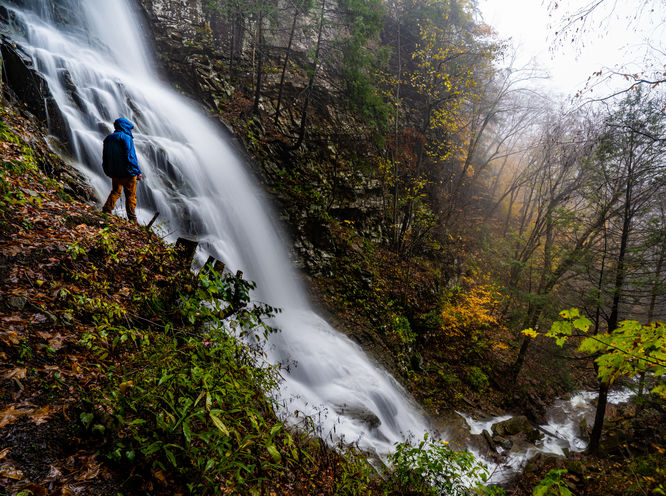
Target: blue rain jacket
[(119, 156)]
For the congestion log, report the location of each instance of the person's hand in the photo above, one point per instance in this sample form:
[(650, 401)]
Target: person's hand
[(139, 177)]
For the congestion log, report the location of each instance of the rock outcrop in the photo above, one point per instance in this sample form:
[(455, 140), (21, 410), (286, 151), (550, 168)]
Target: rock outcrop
[(30, 88), (187, 36), (515, 426)]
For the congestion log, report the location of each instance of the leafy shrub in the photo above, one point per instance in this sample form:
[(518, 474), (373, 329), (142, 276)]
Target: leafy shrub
[(477, 378), (190, 402), (434, 468), (552, 485), (468, 313), (403, 330)]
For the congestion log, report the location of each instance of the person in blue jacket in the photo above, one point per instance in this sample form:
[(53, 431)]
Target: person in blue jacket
[(121, 165)]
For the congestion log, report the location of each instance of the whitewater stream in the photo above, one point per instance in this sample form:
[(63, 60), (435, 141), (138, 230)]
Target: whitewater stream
[(98, 68)]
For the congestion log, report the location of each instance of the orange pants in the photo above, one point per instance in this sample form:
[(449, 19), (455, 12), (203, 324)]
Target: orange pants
[(118, 185)]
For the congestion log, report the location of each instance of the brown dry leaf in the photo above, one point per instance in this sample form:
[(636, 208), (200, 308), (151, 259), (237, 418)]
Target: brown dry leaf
[(54, 473), (11, 415), (10, 338), (39, 318), (91, 472), (12, 319), (9, 471), (124, 291), (18, 373), (56, 342), (5, 452), (76, 368), (41, 415), (44, 335), (160, 475), (63, 491), (12, 251)]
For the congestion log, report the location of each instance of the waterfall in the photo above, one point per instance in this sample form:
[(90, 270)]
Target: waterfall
[(99, 68)]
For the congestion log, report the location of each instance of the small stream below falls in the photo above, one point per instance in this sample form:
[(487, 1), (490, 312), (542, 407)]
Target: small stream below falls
[(565, 431)]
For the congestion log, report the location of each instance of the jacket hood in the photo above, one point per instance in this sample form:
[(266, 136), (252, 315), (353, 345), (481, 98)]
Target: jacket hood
[(122, 124)]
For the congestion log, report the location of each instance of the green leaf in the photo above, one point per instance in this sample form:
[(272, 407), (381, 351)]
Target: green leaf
[(130, 455), (582, 324), (164, 378), (86, 418), (171, 457), (276, 428), (187, 432), (275, 454), (218, 423), (660, 390), (540, 490), (591, 346)]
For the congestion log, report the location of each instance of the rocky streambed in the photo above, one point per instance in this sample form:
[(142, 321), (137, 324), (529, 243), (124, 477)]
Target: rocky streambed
[(510, 444)]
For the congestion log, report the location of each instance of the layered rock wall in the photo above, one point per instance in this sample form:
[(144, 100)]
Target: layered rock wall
[(188, 39)]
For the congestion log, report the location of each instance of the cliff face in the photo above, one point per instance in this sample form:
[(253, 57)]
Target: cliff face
[(186, 54), (312, 185)]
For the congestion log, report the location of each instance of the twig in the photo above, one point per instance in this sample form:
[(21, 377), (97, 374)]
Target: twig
[(152, 221)]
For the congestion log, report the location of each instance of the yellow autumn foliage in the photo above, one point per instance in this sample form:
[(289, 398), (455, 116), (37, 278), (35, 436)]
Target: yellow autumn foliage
[(470, 311)]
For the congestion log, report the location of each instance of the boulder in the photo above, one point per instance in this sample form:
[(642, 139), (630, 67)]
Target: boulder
[(489, 440), (541, 460), (360, 413), (516, 425), (31, 89), (17, 302), (503, 442)]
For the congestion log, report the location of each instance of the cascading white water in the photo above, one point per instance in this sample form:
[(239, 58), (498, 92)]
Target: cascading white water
[(200, 188)]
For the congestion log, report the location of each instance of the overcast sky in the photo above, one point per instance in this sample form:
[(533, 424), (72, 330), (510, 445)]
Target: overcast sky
[(615, 37)]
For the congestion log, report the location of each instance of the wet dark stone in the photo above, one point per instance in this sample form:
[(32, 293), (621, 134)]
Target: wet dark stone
[(516, 425), (57, 125), (28, 86), (4, 15), (17, 302), (361, 414)]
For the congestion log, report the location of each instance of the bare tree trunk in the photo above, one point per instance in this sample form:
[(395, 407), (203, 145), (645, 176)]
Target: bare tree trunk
[(284, 65), (396, 144), (260, 62), (657, 279), (620, 273), (308, 93), (602, 401)]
